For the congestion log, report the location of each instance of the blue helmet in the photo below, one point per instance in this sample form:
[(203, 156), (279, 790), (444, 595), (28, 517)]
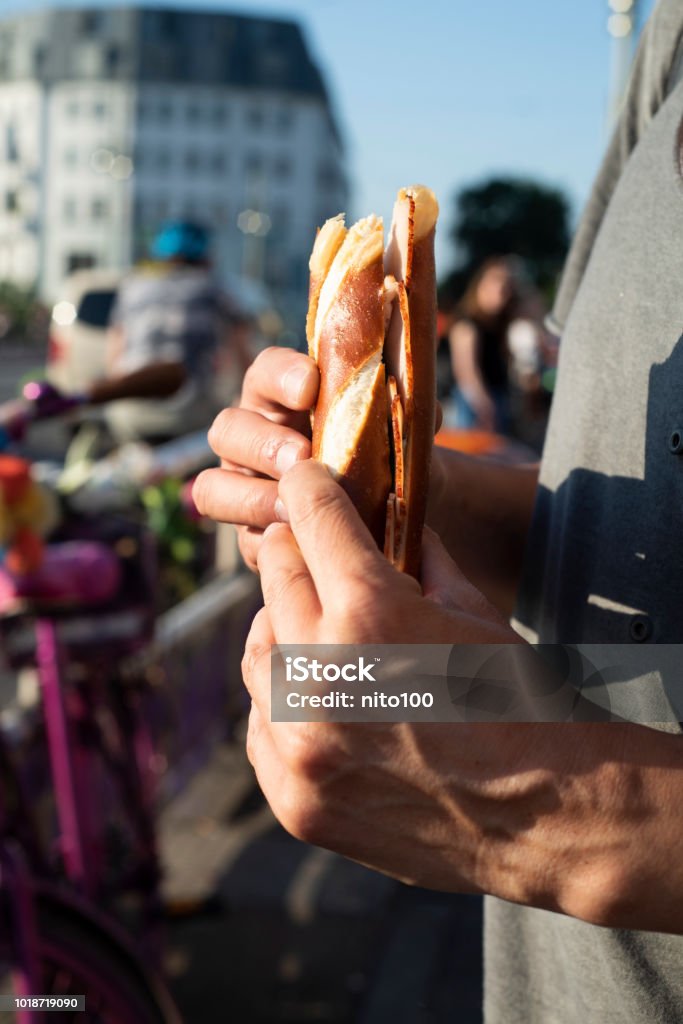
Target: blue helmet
[(181, 240)]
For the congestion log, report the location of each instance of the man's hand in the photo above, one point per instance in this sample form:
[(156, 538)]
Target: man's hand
[(325, 581), (581, 819), (257, 443), (378, 793)]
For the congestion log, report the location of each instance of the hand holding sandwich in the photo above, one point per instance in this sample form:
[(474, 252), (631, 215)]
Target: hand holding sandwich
[(575, 819)]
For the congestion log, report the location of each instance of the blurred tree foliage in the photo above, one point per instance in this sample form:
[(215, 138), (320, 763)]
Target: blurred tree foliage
[(22, 317), (509, 216)]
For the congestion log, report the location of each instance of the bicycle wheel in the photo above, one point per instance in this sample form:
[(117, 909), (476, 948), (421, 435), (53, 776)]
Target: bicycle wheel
[(80, 957)]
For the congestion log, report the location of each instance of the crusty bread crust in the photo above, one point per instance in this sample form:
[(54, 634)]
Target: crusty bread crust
[(357, 423), (410, 258), (328, 242), (351, 338)]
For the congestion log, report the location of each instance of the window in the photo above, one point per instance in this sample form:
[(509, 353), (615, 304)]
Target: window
[(254, 163), (112, 59), (39, 59), (12, 144), (280, 216), (193, 113), (167, 23), (219, 213), (282, 168), (284, 120), (95, 308), (219, 115), (12, 201), (165, 111), (99, 110), (99, 209), (73, 108), (219, 163), (91, 23), (69, 210), (192, 161), (79, 261), (71, 157), (163, 159), (327, 176), (255, 118)]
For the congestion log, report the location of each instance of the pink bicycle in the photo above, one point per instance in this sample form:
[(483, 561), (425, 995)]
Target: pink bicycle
[(76, 617)]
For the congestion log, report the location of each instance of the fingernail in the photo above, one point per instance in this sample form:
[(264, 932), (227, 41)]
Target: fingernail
[(293, 383), (281, 513), (271, 528), (286, 456)]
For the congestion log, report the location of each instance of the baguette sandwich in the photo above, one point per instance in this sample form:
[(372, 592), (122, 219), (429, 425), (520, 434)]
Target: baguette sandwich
[(371, 328)]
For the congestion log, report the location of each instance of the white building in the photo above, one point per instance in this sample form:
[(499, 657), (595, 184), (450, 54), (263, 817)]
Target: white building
[(112, 120)]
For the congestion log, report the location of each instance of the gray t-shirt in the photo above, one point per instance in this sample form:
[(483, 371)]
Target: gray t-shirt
[(605, 555), (176, 316)]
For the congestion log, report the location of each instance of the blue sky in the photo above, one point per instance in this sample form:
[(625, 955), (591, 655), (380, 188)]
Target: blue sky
[(448, 91)]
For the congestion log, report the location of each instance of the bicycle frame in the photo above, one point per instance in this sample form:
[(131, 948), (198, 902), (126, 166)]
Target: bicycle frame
[(81, 852)]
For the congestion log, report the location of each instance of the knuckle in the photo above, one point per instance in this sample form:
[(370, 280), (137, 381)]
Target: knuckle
[(257, 505), (252, 741), (220, 429), (311, 755), (253, 653), (261, 368), (249, 543), (361, 607), (301, 814), (267, 356), (202, 490), (281, 582), (261, 450)]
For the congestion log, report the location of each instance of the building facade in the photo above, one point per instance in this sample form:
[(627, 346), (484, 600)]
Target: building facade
[(113, 120)]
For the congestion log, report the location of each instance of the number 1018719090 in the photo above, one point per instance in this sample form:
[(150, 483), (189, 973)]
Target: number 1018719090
[(11, 1002)]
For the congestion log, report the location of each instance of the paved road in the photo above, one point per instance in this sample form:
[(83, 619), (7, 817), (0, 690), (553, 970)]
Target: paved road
[(291, 933)]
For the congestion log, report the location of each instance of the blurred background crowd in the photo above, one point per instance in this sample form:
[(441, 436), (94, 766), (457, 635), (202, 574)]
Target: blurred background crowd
[(163, 171)]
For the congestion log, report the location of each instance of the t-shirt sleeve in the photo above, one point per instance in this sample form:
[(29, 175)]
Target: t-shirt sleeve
[(657, 68)]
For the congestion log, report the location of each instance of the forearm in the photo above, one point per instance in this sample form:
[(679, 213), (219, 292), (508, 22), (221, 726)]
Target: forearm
[(158, 381), (482, 512), (590, 826)]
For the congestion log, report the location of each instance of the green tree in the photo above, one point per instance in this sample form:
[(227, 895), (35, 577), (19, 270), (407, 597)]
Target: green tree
[(22, 317), (510, 216)]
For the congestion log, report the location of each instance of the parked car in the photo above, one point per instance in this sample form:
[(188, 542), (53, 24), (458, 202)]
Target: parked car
[(77, 348)]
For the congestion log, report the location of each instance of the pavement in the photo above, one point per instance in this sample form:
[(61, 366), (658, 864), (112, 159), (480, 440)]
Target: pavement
[(266, 929)]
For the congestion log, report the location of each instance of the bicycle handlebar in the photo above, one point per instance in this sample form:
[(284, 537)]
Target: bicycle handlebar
[(39, 401)]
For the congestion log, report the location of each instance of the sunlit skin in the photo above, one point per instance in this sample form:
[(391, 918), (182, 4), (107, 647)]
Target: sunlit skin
[(495, 289), (579, 819)]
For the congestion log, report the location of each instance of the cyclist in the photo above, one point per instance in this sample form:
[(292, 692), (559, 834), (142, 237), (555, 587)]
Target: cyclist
[(168, 325)]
